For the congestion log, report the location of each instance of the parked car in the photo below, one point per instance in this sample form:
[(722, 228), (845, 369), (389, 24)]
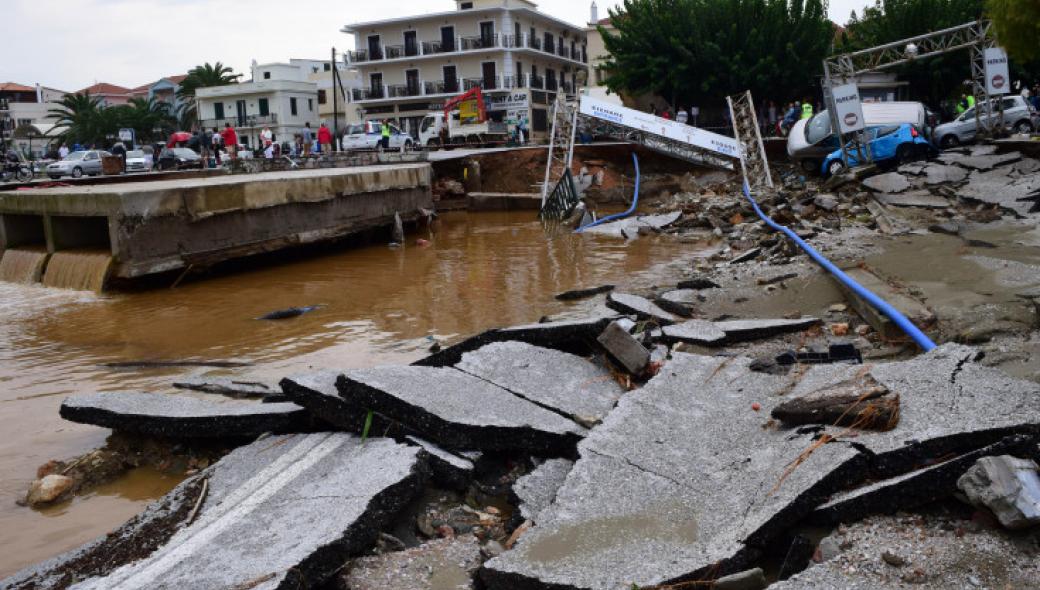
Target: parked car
[(887, 144), (77, 164), (366, 136), (1019, 116), (811, 140), (138, 161), (179, 159)]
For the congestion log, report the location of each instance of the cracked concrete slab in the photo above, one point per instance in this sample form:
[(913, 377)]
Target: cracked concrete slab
[(459, 411), (227, 386), (537, 490), (641, 307), (890, 182), (642, 505), (562, 382), (912, 489), (744, 330), (701, 332), (923, 199), (264, 522), (979, 162), (629, 227), (939, 174), (999, 187), (450, 471), (180, 416), (562, 335)]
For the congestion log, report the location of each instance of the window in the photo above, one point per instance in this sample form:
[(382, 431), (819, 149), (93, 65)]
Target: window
[(310, 104), (267, 75), (265, 108), (321, 97), (292, 105), (218, 110), (466, 6), (328, 67)]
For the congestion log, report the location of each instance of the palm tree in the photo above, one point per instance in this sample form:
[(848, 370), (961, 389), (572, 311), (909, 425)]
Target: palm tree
[(203, 76), (79, 115), (148, 115)]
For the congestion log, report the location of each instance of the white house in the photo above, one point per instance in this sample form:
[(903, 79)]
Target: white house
[(280, 96), (521, 59)]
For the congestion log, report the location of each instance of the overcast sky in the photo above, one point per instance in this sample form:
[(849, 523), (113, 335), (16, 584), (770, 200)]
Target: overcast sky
[(69, 45)]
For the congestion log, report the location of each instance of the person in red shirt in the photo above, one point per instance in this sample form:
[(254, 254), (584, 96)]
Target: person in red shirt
[(230, 140), (325, 139)]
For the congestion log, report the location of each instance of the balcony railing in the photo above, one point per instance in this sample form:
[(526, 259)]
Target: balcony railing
[(551, 85), (537, 82), (471, 43), (442, 87), (368, 93), (403, 90), (482, 42)]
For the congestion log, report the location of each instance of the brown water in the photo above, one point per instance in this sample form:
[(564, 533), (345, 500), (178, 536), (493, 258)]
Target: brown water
[(23, 265), (380, 306), (79, 270)]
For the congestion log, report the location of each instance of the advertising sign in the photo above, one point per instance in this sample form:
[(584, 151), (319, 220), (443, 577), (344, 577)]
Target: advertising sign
[(506, 102), (998, 80), (849, 107), (469, 111), (126, 135), (673, 130)]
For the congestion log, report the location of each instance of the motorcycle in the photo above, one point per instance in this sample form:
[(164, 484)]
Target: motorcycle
[(16, 171)]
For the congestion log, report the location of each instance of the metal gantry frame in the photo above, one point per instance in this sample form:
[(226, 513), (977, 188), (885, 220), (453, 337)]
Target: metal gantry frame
[(976, 36), (561, 144), (753, 161)]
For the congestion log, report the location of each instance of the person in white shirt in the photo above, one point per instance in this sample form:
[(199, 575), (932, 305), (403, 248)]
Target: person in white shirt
[(269, 151), (63, 151), (266, 136), (681, 116)]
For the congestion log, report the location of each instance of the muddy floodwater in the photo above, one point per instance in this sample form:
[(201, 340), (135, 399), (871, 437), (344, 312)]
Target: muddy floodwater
[(379, 306)]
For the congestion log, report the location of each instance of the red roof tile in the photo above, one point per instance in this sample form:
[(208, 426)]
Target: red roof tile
[(104, 88), (15, 87)]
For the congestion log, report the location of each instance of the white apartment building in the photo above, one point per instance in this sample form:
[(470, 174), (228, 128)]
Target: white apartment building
[(334, 97), (279, 96), (521, 59)]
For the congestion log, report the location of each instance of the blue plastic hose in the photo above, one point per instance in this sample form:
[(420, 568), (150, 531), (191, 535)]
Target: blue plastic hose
[(876, 302), (635, 202)]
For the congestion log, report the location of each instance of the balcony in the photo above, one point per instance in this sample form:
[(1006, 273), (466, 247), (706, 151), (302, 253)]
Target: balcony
[(536, 82), (404, 90), (368, 93), (476, 43), (471, 43), (442, 87), (551, 85)]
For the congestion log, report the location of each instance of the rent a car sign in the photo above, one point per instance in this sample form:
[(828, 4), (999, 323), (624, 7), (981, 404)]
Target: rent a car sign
[(998, 80), (673, 130)]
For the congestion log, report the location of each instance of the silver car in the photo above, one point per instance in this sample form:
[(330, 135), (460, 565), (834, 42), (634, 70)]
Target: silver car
[(1019, 116), (138, 161), (77, 164)]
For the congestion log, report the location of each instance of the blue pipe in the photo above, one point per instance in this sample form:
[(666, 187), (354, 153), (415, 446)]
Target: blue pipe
[(878, 303), (635, 202)]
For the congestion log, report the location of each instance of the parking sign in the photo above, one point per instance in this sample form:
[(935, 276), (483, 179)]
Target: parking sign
[(849, 108), (998, 80)]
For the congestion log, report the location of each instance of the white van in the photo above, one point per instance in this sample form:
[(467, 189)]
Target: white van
[(811, 140)]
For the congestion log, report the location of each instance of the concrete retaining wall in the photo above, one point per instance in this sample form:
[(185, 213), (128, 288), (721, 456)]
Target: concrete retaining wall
[(161, 226)]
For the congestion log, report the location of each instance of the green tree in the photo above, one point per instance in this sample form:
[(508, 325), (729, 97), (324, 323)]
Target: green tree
[(931, 80), (1017, 23), (79, 117), (699, 51), (203, 76), (147, 115)]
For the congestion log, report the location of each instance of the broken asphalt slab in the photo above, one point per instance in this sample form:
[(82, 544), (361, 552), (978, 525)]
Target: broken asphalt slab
[(568, 335), (700, 332), (642, 504), (264, 519), (236, 388), (980, 162), (744, 330), (564, 383), (922, 199), (537, 490), (179, 416), (889, 183), (629, 227), (459, 411), (641, 307)]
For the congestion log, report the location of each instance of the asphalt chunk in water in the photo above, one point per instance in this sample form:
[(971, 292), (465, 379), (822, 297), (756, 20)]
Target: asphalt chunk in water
[(179, 416)]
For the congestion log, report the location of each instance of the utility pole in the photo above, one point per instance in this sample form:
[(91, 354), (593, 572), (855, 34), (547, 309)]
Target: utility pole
[(335, 102)]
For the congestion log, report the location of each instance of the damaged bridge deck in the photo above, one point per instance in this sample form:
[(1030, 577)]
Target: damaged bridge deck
[(155, 227)]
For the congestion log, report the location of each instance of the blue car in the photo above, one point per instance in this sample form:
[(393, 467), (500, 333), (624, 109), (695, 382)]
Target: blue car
[(888, 144)]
